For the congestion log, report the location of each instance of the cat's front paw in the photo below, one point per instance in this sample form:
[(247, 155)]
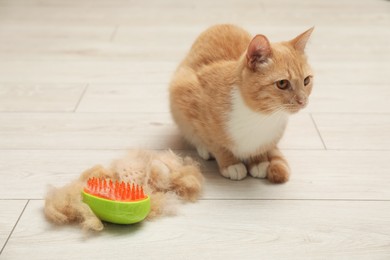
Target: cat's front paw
[(278, 172), (235, 172), (259, 170)]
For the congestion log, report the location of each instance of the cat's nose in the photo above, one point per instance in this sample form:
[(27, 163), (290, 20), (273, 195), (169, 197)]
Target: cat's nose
[(302, 101)]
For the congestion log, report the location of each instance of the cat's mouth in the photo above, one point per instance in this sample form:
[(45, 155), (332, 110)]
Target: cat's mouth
[(295, 108), (296, 104)]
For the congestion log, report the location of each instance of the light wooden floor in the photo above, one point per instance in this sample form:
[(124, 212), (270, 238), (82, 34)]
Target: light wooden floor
[(81, 81)]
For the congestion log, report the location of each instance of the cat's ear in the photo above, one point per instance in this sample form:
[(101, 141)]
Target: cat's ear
[(300, 41), (259, 50)]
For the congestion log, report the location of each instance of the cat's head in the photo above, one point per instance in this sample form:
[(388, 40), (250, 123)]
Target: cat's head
[(276, 76)]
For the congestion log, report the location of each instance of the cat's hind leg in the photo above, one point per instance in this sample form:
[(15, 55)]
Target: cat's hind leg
[(185, 101)]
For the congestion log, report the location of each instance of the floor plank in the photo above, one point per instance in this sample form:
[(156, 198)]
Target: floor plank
[(40, 97), (131, 42), (320, 229), (42, 168), (125, 98), (10, 212), (119, 131), (88, 131), (206, 12), (110, 72), (349, 98), (354, 131), (316, 175)]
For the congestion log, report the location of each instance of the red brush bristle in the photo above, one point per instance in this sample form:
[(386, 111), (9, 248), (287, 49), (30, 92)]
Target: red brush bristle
[(119, 191)]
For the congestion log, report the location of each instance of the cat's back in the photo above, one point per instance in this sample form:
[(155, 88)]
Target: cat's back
[(219, 42)]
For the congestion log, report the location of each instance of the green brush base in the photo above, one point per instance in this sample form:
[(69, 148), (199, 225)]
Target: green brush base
[(118, 212)]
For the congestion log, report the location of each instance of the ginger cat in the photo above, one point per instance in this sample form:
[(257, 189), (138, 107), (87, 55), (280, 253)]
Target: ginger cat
[(232, 95)]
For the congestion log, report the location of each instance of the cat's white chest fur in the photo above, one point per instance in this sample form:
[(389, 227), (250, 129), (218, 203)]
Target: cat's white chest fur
[(250, 130)]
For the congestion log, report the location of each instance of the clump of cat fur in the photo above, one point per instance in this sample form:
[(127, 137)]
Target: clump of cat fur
[(167, 178)]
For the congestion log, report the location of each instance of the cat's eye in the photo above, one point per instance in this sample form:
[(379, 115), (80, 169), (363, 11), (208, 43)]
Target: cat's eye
[(283, 84), (306, 81)]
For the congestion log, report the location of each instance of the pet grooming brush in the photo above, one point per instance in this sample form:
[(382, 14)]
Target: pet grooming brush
[(116, 202)]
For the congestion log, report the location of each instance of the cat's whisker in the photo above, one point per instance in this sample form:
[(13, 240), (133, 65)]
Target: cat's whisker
[(271, 116), (273, 109)]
